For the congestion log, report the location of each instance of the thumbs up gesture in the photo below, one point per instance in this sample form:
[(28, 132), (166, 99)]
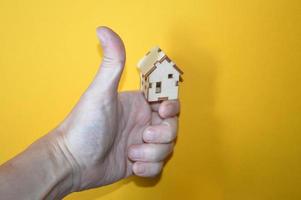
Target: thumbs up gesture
[(109, 135)]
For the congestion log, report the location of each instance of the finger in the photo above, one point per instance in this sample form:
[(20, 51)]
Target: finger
[(155, 106), (166, 132), (169, 108), (108, 76), (147, 169), (149, 152), (156, 119)]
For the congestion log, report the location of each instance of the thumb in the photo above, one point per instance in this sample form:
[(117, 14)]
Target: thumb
[(108, 76)]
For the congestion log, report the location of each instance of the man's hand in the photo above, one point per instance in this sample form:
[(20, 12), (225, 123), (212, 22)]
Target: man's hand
[(109, 135)]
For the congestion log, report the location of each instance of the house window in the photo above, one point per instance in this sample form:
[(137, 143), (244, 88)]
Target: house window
[(158, 87), (150, 85), (170, 75), (177, 83)]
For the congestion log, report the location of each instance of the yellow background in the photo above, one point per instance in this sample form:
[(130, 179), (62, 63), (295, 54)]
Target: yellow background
[(240, 124)]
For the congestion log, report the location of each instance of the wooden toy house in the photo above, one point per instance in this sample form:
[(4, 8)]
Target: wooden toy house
[(159, 76)]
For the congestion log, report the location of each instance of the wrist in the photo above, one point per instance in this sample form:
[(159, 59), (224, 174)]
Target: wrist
[(56, 170), (64, 162), (41, 172)]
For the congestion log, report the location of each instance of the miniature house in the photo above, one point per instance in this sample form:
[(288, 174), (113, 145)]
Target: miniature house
[(159, 76)]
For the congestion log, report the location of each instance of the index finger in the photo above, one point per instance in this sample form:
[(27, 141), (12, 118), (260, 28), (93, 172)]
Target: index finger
[(166, 109)]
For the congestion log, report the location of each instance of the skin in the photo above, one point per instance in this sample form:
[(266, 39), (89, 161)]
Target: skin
[(107, 136)]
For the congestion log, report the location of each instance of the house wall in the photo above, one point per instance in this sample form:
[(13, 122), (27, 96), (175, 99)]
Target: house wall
[(168, 86), (143, 85)]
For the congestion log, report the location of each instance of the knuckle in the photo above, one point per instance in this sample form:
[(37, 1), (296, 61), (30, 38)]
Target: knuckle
[(171, 132), (154, 169), (154, 154), (170, 148), (157, 168), (155, 172), (170, 136)]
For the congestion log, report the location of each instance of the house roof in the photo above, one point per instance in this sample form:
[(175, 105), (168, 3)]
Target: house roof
[(148, 63)]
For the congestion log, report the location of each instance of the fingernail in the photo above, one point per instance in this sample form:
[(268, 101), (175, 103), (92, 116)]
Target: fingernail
[(168, 108), (149, 134), (136, 154), (101, 35), (139, 169)]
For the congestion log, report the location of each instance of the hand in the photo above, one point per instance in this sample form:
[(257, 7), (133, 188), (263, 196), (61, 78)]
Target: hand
[(109, 135)]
